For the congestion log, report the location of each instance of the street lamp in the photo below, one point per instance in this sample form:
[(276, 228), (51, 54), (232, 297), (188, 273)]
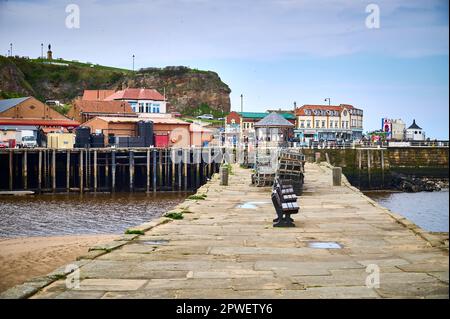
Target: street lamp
[(133, 62), (329, 100), (10, 45), (42, 50), (242, 103)]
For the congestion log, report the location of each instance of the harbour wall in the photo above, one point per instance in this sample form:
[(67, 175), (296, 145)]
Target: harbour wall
[(374, 168)]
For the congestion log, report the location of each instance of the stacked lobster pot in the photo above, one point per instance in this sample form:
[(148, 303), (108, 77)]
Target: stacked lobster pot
[(291, 168)]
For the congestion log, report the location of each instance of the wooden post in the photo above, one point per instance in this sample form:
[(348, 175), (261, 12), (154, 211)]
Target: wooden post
[(68, 170), (25, 169), (81, 173), (199, 160), (154, 170), (106, 169), (45, 169), (160, 169), (54, 170), (113, 171), (187, 153), (11, 170), (95, 170), (337, 176), (131, 161), (173, 169), (179, 170), (382, 167), (40, 171), (148, 170)]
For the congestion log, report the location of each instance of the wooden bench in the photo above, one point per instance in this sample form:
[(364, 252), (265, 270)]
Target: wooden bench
[(284, 210)]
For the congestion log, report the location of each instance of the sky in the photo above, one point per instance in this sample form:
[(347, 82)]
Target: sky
[(274, 52)]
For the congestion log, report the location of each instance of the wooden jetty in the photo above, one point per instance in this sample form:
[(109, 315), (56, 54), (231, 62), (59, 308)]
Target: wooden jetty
[(107, 169)]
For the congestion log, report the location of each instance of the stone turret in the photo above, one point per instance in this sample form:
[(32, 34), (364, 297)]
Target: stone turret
[(49, 53)]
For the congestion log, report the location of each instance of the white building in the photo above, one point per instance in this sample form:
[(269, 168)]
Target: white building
[(142, 101), (415, 133), (398, 130), (329, 123)]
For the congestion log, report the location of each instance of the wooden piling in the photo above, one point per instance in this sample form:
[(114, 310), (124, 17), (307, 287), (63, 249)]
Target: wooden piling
[(113, 171), (95, 170), (25, 169), (81, 172), (148, 170), (11, 170), (54, 170), (154, 170), (173, 169), (40, 171), (179, 169), (68, 171), (160, 171), (131, 162), (186, 154)]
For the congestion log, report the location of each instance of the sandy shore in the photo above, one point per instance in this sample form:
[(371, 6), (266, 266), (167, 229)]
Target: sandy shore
[(28, 257)]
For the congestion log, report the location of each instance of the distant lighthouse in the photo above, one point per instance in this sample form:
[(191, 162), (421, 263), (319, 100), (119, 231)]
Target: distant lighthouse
[(49, 53)]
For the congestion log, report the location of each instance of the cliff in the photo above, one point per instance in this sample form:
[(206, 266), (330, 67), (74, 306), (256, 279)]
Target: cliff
[(185, 88)]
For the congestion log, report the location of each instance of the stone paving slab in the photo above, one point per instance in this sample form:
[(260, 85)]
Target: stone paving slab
[(220, 250)]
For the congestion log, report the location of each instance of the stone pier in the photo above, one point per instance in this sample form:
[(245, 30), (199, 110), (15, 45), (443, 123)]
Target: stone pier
[(226, 247)]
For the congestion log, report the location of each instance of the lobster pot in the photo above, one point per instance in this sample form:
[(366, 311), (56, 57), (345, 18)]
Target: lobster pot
[(82, 137), (145, 132), (97, 140)]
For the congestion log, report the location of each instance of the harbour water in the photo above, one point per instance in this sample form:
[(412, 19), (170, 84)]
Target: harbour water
[(74, 214), (429, 210)]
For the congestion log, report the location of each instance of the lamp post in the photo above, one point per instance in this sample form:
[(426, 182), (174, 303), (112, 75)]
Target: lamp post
[(42, 50), (242, 103), (11, 52), (329, 100), (133, 62)]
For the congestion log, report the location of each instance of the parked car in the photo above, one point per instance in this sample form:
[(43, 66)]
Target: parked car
[(221, 119), (176, 114), (206, 117), (4, 144)]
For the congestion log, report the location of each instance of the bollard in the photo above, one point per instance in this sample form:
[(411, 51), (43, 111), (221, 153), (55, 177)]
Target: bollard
[(317, 157), (223, 172), (337, 176)]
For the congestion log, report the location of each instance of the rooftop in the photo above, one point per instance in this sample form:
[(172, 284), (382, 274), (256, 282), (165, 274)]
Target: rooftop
[(111, 107), (96, 95), (261, 115), (136, 94), (274, 120), (9, 103), (414, 126)]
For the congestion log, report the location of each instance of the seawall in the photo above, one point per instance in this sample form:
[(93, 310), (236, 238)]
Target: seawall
[(373, 168)]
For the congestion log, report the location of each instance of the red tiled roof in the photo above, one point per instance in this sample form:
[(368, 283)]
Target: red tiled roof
[(156, 120), (39, 122), (136, 94), (104, 107), (96, 95)]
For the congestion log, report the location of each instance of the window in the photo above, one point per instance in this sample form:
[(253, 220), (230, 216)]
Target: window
[(336, 124), (308, 123), (302, 123), (331, 123), (147, 107), (317, 123), (141, 107), (323, 124)]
